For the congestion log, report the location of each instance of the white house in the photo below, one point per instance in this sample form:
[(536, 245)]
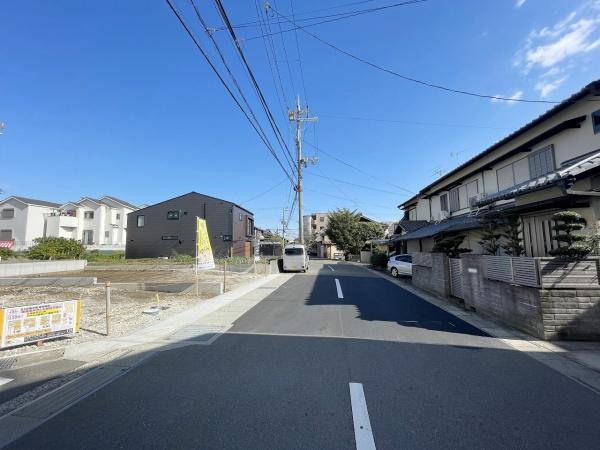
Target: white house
[(23, 219), (550, 164), (97, 223)]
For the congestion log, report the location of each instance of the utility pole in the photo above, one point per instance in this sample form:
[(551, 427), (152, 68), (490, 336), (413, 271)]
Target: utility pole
[(300, 115)]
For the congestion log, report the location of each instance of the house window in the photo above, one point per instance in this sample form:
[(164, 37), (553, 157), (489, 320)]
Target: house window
[(412, 214), (240, 217), (472, 190), (88, 215), (8, 213), (321, 219), (172, 215), (513, 174), (541, 162), (107, 234), (140, 221), (454, 200), (118, 216), (444, 202), (5, 235), (169, 237), (249, 227), (596, 121)]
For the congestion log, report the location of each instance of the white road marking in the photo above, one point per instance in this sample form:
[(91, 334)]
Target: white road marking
[(5, 380), (363, 434), (339, 288), (331, 268), (452, 324)]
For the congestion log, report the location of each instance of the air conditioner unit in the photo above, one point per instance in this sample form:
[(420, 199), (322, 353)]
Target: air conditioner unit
[(443, 215), (476, 198)]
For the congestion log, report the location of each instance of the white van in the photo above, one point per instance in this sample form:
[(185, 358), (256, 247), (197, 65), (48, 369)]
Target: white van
[(295, 258)]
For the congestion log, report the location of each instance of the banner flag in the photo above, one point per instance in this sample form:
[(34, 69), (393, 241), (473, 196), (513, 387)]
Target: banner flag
[(204, 254)]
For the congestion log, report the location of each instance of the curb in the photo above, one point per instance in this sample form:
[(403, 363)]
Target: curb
[(30, 359)]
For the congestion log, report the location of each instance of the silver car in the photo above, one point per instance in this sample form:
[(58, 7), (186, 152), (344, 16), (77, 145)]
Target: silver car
[(400, 265)]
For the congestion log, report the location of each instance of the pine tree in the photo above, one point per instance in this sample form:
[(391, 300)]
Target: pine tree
[(490, 236), (512, 233), (450, 245), (575, 245)]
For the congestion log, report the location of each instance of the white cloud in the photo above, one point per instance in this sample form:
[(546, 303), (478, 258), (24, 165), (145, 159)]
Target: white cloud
[(508, 100), (519, 3), (546, 87), (578, 40)]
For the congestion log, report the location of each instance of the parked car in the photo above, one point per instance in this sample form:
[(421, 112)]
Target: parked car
[(400, 265), (295, 258)]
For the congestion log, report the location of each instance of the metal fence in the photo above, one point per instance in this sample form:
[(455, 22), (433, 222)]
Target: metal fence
[(520, 270)]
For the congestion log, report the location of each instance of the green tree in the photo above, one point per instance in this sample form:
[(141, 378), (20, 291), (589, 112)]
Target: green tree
[(490, 235), (450, 245), (512, 233), (575, 245), (6, 253), (56, 248), (348, 233)]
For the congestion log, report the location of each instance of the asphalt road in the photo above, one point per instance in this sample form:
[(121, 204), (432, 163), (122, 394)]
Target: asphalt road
[(281, 379)]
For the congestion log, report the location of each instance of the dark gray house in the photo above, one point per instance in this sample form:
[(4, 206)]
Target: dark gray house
[(169, 227)]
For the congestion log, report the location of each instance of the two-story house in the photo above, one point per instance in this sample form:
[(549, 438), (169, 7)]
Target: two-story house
[(548, 165), (23, 219), (97, 223), (168, 228)]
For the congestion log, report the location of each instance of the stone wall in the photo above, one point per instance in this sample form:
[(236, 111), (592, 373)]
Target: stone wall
[(512, 304), (435, 279), (571, 313)]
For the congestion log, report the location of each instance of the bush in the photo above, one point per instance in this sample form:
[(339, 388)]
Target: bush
[(104, 257), (379, 260), (6, 253), (56, 248), (575, 245)]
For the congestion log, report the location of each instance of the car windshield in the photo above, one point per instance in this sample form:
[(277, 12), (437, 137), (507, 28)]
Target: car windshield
[(294, 251)]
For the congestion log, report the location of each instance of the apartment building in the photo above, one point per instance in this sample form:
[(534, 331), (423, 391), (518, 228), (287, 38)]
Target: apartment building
[(548, 165), (22, 220)]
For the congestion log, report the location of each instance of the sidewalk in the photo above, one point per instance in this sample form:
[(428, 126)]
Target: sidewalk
[(578, 360)]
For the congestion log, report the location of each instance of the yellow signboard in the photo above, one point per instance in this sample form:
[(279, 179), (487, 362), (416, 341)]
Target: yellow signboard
[(32, 323), (204, 254)]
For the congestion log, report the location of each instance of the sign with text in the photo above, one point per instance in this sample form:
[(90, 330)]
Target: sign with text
[(204, 254), (31, 323)]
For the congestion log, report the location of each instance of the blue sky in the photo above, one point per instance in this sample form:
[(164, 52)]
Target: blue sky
[(113, 98)]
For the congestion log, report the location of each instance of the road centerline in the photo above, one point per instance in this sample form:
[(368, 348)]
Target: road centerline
[(363, 434), (340, 294)]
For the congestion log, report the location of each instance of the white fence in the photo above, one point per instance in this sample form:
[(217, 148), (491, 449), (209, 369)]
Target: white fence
[(520, 270)]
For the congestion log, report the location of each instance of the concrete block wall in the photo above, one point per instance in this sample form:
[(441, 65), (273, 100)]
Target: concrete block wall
[(571, 313), (434, 279), (514, 305), (35, 267)]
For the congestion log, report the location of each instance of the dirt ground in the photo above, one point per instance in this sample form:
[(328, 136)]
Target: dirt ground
[(127, 306)]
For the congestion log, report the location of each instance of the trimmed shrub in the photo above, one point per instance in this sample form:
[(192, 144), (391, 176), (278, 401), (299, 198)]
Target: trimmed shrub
[(379, 260), (6, 253), (56, 248)]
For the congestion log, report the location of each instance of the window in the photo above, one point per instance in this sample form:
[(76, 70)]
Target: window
[(444, 202), (5, 235), (541, 162), (169, 237), (472, 190), (240, 217), (88, 237), (454, 200), (412, 214), (118, 216), (227, 238), (172, 215), (8, 213), (107, 234), (140, 221), (249, 226), (294, 251), (321, 219), (88, 215), (596, 121), (513, 174)]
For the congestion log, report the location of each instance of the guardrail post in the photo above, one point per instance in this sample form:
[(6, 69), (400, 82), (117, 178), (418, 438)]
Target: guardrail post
[(108, 310)]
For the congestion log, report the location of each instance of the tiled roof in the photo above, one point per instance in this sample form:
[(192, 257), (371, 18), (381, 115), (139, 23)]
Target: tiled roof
[(118, 200), (32, 201), (412, 225), (461, 223)]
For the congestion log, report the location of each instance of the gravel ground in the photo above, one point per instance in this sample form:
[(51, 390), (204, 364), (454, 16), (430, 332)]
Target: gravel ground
[(127, 307)]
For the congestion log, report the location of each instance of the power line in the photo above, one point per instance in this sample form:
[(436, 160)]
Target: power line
[(358, 169), (287, 60), (327, 194), (358, 185), (234, 80), (404, 77), (299, 57), (264, 192), (407, 122), (261, 97), (214, 69), (338, 16)]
